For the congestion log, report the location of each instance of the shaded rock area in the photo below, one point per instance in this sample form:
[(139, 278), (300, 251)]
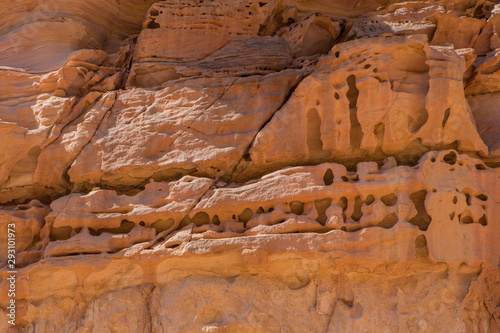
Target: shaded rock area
[(250, 166)]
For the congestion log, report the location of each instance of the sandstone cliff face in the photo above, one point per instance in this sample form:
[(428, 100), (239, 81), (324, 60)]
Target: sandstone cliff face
[(251, 166)]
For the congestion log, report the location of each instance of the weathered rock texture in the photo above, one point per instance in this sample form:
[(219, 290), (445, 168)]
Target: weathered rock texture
[(251, 166)]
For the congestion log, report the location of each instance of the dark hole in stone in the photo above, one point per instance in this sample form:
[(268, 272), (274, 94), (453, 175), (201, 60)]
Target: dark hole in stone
[(482, 197), (342, 203), (466, 219), (389, 199), (124, 228), (200, 218), (356, 134), (162, 224), (297, 207), (321, 206), (246, 215), (446, 116), (61, 233), (328, 177), (389, 221), (478, 12), (153, 25), (467, 198), (450, 158), (422, 219), (357, 214)]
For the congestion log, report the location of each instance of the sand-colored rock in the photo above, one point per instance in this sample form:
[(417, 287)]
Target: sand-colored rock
[(484, 109), (28, 220), (444, 196), (40, 35), (175, 198), (488, 40), (396, 20), (200, 126), (485, 79), (314, 34), (185, 36), (40, 110), (250, 166), (459, 31), (264, 287), (353, 121)]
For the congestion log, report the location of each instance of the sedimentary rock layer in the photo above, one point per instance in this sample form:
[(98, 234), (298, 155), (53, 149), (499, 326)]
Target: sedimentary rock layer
[(250, 166)]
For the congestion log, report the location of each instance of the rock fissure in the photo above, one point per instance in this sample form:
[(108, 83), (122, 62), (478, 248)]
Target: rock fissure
[(246, 156)]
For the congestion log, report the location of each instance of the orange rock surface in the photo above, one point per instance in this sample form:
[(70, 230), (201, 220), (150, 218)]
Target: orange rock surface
[(250, 166)]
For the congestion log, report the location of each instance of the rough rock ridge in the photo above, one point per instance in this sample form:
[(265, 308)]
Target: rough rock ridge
[(250, 166)]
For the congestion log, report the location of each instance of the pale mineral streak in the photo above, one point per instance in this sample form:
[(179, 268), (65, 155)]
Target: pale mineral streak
[(251, 166)]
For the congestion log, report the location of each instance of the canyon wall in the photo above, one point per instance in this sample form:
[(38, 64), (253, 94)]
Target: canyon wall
[(250, 166)]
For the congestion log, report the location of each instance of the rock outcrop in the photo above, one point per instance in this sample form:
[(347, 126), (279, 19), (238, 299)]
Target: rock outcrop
[(250, 166)]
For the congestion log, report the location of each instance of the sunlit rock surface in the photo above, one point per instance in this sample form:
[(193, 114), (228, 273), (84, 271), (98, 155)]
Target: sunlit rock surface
[(251, 166)]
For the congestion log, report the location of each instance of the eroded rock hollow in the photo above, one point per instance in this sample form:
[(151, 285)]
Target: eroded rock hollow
[(250, 166)]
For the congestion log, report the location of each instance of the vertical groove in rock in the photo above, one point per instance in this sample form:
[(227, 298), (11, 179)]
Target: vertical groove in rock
[(352, 95)]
